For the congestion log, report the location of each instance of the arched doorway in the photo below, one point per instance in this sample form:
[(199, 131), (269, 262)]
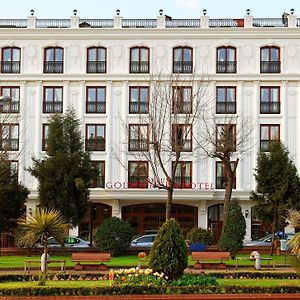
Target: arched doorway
[(93, 218), (149, 217), (215, 220)]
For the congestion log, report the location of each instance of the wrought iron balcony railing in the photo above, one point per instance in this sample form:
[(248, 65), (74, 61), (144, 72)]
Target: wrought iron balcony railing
[(225, 107), (95, 144), (96, 67), (10, 66), (95, 107), (182, 66), (9, 144), (138, 182), (226, 66), (139, 67), (53, 107), (138, 108), (53, 67), (270, 67), (270, 107), (138, 145)]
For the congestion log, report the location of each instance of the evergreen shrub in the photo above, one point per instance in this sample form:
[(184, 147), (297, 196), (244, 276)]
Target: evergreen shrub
[(200, 235), (114, 235)]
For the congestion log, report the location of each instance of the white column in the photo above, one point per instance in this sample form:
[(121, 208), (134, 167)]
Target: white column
[(109, 132), (22, 131), (202, 214), (38, 101), (297, 150), (80, 105), (284, 134), (66, 96)]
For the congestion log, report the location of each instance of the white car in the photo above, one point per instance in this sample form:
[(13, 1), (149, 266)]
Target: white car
[(267, 240), (144, 241)]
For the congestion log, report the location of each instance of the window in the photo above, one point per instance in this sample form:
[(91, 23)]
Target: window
[(138, 138), (139, 60), (269, 100), (269, 60), (45, 130), (183, 175), (268, 133), (221, 175), (11, 106), (53, 99), (182, 100), (53, 61), (226, 100), (11, 58), (95, 99), (139, 100), (9, 137), (138, 174), (182, 60), (14, 167), (182, 138), (226, 60), (95, 137), (99, 180), (96, 60), (226, 138)]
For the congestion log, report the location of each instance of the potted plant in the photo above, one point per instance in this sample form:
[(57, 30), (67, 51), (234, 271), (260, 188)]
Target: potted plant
[(199, 238)]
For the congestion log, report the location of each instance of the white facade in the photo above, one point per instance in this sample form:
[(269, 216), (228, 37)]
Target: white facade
[(204, 36)]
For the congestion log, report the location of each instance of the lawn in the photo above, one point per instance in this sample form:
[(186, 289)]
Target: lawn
[(122, 261)]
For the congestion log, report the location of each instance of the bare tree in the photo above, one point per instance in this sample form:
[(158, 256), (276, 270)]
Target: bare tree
[(226, 137), (164, 135)]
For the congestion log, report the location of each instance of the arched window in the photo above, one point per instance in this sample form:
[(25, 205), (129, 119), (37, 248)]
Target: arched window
[(11, 59), (270, 59), (54, 60), (139, 60), (96, 60), (226, 60), (182, 60)]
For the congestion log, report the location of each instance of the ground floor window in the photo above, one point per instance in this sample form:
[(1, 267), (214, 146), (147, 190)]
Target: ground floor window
[(149, 217)]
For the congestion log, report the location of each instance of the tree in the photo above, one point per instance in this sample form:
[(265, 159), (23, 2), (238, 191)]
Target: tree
[(294, 242), (277, 187), (43, 224), (114, 236), (234, 229), (169, 252), (165, 131), (12, 194), (226, 138), (64, 174)]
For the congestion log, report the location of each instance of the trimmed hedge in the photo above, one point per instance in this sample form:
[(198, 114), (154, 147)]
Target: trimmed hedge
[(144, 289), (97, 276)]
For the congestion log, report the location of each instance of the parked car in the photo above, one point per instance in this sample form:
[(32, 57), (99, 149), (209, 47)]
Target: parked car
[(144, 241), (267, 240), (69, 241)]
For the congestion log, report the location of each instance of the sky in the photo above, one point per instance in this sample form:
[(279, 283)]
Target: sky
[(105, 9)]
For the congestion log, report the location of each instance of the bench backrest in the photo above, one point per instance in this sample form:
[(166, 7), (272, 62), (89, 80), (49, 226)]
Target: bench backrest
[(91, 256), (210, 255)]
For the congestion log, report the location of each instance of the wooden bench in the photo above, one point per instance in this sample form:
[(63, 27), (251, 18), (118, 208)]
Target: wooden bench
[(29, 263), (268, 259), (88, 260), (210, 256)]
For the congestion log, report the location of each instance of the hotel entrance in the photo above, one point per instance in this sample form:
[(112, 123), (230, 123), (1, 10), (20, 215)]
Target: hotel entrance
[(215, 220), (149, 217)]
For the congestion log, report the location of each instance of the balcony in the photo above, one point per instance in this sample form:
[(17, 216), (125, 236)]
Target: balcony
[(270, 67), (98, 182), (221, 182), (53, 107), (139, 67), (182, 66), (226, 67), (95, 144), (95, 107), (183, 182), (138, 182), (182, 108), (10, 67), (265, 145), (10, 107), (96, 67), (270, 107), (9, 144), (185, 146), (138, 145), (225, 107), (53, 67), (138, 107)]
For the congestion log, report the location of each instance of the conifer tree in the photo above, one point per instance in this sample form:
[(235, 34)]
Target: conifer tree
[(278, 187), (64, 174), (234, 229)]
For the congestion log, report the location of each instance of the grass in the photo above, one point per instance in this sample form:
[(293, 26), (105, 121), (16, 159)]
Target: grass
[(92, 284), (123, 261)]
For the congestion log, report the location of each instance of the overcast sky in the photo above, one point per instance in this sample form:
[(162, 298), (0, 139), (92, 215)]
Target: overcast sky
[(146, 8)]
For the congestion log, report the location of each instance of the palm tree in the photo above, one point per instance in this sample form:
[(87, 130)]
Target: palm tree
[(44, 223)]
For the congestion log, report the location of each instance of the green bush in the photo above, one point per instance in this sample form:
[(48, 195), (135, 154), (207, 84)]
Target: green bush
[(114, 236), (234, 229), (200, 235), (191, 280), (168, 254)]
